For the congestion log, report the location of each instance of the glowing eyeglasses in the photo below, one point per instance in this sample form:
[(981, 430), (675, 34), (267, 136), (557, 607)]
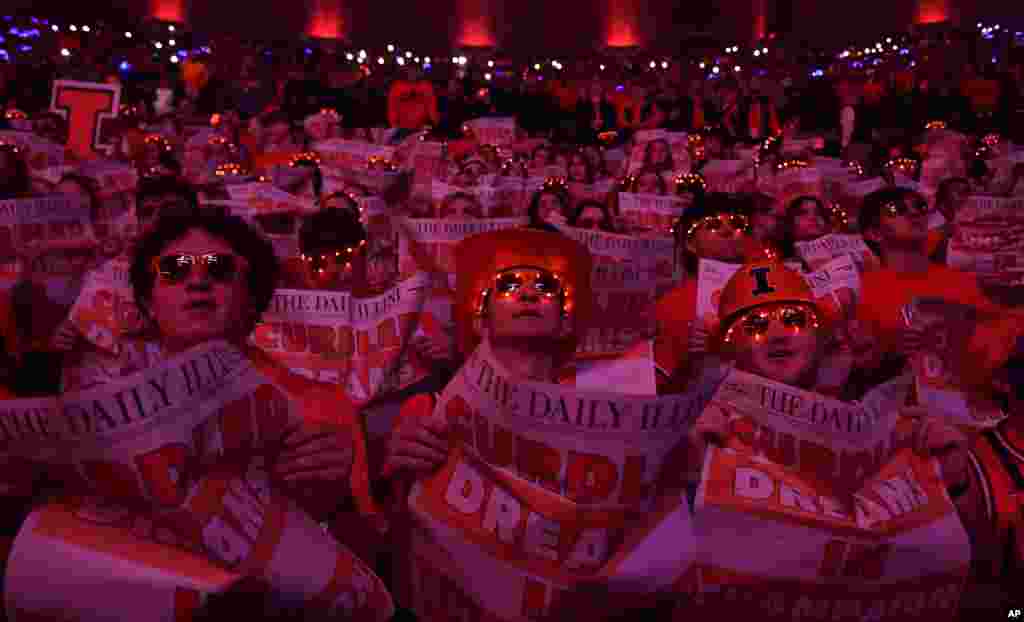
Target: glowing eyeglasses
[(543, 283), (755, 323), (319, 262), (176, 267), (903, 208), (735, 222)]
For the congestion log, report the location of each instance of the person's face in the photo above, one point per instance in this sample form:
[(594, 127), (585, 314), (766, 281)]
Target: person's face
[(541, 158), (73, 189), (648, 184), (525, 303), (904, 222), (550, 208), (461, 208), (719, 237), (658, 153), (780, 342), (578, 169), (958, 193), (278, 134), (194, 302), (808, 222), (766, 224), (590, 218)]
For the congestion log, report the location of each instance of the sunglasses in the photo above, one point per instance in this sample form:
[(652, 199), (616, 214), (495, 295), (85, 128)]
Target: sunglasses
[(319, 262), (219, 267), (506, 284), (902, 208), (756, 322), (736, 222)]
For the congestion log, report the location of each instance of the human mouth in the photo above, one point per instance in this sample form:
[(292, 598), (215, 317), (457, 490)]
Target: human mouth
[(200, 305)]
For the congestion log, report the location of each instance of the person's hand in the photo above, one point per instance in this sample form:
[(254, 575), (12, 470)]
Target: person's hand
[(67, 337), (931, 437), (711, 428), (699, 339), (418, 444), (431, 350), (315, 453), (911, 340)]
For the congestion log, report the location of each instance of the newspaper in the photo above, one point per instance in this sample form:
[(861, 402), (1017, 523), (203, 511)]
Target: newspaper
[(650, 212), (843, 521), (988, 239), (551, 496), (494, 130), (180, 455), (105, 311), (818, 252), (40, 153), (940, 367)]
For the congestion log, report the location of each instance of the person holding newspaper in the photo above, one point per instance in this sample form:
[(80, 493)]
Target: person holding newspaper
[(202, 280)]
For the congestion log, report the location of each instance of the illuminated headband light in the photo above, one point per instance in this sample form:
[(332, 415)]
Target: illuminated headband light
[(690, 182), (935, 125), (229, 168), (307, 157)]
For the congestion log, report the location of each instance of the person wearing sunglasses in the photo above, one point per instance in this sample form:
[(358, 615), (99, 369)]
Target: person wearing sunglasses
[(715, 228), (894, 222), (331, 242)]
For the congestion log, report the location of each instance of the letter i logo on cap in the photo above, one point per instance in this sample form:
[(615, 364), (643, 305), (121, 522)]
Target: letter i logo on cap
[(761, 278)]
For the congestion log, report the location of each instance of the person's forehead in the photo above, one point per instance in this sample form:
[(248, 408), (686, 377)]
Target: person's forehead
[(198, 241)]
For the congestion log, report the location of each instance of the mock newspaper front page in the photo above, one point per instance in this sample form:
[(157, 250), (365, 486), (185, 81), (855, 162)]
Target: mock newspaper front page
[(813, 511), (818, 252), (187, 445), (650, 212), (988, 238), (552, 497)]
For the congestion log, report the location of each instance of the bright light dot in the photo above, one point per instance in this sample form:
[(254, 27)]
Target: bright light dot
[(362, 52), (536, 66), (427, 60), (997, 26), (391, 48), (979, 24), (487, 76), (757, 53), (170, 28), (174, 59), (408, 54), (73, 28), (490, 63), (417, 59), (602, 67), (702, 65), (85, 29), (895, 47), (764, 50), (128, 35), (349, 56), (172, 42), (715, 69), (65, 52), (54, 28), (888, 39), (653, 64), (455, 59), (664, 64), (401, 61), (158, 45), (380, 61), (737, 68)]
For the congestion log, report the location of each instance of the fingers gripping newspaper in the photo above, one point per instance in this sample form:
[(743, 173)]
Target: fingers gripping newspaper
[(174, 462), (554, 501), (815, 510)]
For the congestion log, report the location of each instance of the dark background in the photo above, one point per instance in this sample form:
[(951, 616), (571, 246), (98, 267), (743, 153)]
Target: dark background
[(545, 27)]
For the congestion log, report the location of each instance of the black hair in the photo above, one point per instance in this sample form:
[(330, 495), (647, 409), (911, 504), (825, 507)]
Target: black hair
[(173, 225), (330, 229), (19, 184), (607, 223), (318, 177), (456, 196), (548, 148), (162, 185), (534, 210)]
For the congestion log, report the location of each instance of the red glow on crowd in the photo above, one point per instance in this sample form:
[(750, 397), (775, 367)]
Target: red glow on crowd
[(168, 10), (325, 20), (476, 24), (931, 11)]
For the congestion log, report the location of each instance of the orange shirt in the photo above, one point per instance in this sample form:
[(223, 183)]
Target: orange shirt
[(412, 105), (884, 293)]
